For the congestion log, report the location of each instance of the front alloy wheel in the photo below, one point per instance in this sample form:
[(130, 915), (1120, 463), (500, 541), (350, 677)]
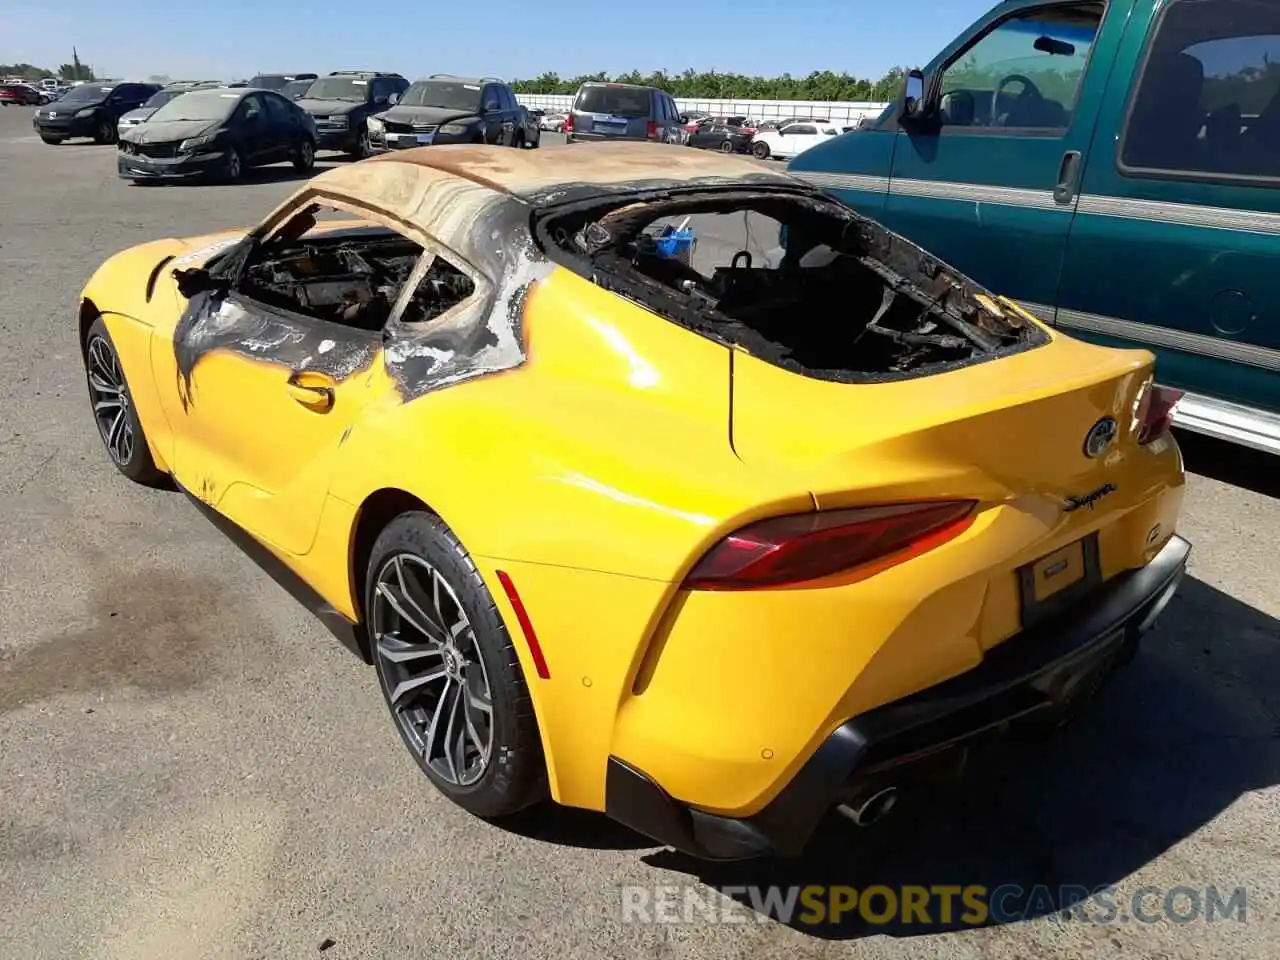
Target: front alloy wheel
[(363, 147), (113, 410), (235, 165), (104, 132)]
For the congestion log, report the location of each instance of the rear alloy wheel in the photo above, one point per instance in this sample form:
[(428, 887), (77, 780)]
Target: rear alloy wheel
[(761, 151), (726, 146), (104, 132), (448, 670), (304, 158), (113, 409)]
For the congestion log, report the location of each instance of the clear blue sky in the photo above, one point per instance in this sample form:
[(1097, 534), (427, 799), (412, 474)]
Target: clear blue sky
[(235, 38)]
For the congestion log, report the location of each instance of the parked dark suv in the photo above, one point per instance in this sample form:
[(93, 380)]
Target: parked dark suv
[(342, 103), (623, 111), (449, 109), (91, 110), (278, 81)]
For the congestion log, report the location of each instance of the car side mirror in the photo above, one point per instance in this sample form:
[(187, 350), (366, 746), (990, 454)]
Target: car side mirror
[(912, 105)]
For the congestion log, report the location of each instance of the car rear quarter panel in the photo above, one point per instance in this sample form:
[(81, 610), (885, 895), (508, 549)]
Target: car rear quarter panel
[(608, 449)]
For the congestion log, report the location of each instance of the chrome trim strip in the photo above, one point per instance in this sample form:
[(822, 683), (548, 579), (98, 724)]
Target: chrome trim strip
[(978, 193), (1184, 214), (1264, 358), (1232, 422), (844, 181)]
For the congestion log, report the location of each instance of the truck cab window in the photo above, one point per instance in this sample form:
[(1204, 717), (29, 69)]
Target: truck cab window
[(1023, 74)]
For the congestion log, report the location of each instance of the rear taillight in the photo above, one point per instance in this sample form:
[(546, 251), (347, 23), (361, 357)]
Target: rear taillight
[(811, 546), (651, 129), (1155, 412), (568, 124)]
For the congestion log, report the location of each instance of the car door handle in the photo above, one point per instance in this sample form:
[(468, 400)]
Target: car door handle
[(312, 390), (1068, 177)]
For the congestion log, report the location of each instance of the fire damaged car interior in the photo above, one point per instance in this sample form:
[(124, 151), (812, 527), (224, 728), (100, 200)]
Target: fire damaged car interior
[(849, 301), (352, 276)]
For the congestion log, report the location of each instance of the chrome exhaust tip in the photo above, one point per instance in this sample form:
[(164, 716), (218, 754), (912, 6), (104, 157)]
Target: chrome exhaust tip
[(872, 809)]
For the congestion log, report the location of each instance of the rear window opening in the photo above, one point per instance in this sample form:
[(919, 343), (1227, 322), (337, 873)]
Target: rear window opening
[(847, 300), (616, 101)]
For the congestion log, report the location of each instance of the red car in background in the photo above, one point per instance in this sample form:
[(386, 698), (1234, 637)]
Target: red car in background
[(20, 95)]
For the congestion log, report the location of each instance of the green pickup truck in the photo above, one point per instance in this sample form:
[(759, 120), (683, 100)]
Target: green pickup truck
[(1113, 165)]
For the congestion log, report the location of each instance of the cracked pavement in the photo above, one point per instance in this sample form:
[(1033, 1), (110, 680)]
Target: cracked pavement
[(190, 767)]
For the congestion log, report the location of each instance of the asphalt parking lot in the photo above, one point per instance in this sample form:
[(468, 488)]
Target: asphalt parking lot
[(190, 767)]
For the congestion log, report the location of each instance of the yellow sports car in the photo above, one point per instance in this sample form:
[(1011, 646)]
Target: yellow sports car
[(713, 536)]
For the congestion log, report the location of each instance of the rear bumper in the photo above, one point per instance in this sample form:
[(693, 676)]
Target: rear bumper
[(603, 138), (1043, 671)]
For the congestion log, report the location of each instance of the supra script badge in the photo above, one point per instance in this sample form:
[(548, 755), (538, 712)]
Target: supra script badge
[(1073, 504)]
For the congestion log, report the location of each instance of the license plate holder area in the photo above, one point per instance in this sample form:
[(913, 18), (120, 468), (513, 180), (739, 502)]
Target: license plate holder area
[(1058, 580)]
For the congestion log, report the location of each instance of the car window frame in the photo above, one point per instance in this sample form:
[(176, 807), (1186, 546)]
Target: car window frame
[(431, 246), (241, 113), (272, 100), (1179, 176), (1044, 133)]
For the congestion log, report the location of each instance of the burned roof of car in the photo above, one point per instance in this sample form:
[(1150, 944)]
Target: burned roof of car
[(532, 173), (445, 190)]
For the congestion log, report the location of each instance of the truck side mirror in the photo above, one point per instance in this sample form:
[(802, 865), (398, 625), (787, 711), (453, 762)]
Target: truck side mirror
[(912, 105)]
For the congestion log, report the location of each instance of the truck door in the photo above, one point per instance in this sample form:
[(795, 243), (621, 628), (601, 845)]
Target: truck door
[(1176, 240), (989, 183)]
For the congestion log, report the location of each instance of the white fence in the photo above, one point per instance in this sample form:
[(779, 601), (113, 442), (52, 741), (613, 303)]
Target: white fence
[(841, 112)]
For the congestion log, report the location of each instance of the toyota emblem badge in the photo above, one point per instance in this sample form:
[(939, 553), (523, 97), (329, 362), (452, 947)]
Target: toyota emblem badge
[(1100, 437)]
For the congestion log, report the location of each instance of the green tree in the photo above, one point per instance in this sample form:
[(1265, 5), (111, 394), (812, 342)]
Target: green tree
[(67, 72), (27, 71)]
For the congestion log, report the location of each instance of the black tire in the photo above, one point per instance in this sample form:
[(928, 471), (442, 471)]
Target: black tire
[(100, 358), (514, 776), (362, 148), (104, 131), (52, 141), (518, 141), (726, 146), (234, 172), (760, 150), (304, 155)]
